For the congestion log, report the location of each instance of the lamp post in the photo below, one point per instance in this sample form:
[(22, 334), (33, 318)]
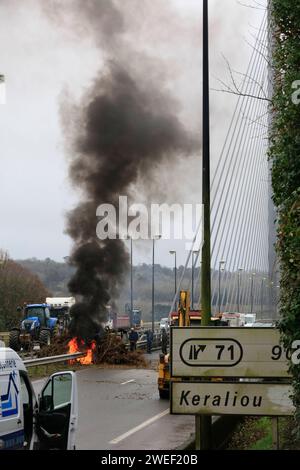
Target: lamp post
[(195, 252), (157, 237), (173, 252), (252, 282), (238, 292), (221, 268), (131, 283), (262, 295), (271, 296), (131, 279)]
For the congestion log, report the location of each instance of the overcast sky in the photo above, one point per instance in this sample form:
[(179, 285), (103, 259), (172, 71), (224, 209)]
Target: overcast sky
[(42, 61)]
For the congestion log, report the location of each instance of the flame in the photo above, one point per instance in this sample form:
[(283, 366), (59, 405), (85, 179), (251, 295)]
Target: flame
[(76, 345)]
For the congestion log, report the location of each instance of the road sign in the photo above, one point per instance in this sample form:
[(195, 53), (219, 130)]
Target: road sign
[(242, 398), (228, 352)]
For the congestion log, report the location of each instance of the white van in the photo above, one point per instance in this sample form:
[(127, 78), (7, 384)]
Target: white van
[(27, 423), (164, 324)]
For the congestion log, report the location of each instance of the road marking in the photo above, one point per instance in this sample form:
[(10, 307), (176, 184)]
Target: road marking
[(128, 382), (138, 428), (40, 380)]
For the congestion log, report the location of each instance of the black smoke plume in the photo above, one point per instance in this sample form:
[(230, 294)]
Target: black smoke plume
[(127, 128)]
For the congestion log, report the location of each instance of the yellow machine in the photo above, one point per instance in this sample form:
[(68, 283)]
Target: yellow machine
[(183, 317), (164, 359)]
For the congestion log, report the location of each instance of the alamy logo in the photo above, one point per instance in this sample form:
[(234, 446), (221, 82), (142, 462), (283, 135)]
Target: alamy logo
[(141, 222)]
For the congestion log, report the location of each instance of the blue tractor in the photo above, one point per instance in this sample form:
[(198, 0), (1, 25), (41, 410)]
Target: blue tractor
[(37, 327)]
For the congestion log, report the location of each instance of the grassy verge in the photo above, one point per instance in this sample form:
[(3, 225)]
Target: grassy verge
[(256, 434), (38, 372), (252, 433)]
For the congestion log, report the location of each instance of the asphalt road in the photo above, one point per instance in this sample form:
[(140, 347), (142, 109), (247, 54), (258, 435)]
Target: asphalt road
[(121, 409)]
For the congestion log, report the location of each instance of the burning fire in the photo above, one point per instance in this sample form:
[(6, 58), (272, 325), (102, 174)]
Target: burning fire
[(76, 345)]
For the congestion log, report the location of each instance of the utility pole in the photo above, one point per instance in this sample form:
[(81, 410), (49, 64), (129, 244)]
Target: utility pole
[(203, 423), (206, 254)]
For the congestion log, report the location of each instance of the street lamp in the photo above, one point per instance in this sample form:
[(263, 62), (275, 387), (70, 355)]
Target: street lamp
[(238, 292), (262, 295), (157, 237), (252, 282), (173, 252), (195, 252), (131, 279), (221, 268)]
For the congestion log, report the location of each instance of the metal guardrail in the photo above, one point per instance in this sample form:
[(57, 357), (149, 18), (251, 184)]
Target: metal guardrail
[(156, 343), (41, 361)]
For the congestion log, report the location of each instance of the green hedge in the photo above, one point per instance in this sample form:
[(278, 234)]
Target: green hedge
[(285, 156)]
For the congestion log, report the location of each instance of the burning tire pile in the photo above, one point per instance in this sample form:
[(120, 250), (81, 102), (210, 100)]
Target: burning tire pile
[(108, 349)]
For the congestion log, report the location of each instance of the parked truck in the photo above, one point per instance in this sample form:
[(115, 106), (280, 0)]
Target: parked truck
[(122, 322), (60, 308)]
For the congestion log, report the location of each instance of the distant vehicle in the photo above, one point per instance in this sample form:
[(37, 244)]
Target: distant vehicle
[(236, 319), (193, 319), (164, 324), (31, 424), (122, 322), (37, 326), (60, 308)]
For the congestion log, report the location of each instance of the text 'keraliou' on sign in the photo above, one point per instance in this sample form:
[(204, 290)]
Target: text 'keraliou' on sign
[(231, 398)]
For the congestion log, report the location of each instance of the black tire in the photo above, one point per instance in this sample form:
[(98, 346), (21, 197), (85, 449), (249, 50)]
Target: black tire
[(164, 394), (14, 340), (55, 332), (45, 338)]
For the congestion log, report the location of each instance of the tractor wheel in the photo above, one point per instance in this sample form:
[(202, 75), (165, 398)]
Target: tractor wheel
[(14, 340), (163, 394), (45, 338), (55, 331)]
